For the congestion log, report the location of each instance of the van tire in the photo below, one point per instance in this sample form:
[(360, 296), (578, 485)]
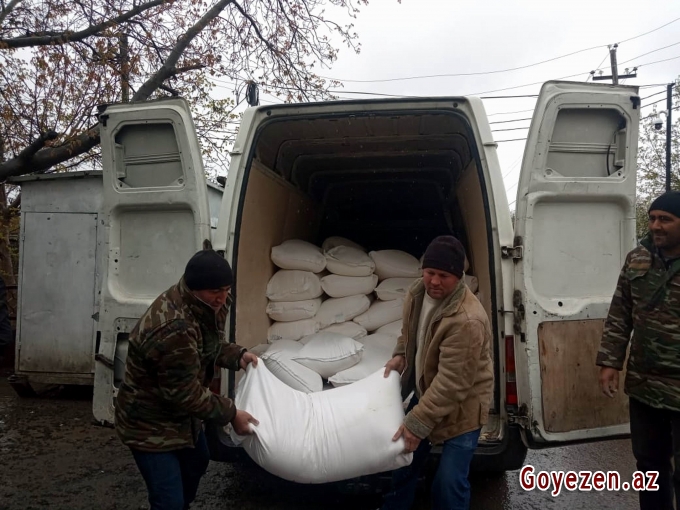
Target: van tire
[(511, 457)]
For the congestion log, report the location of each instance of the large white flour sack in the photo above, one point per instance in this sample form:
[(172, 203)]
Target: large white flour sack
[(323, 437)]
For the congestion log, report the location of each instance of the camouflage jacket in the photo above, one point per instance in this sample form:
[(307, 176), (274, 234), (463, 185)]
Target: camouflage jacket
[(647, 304), (171, 360)]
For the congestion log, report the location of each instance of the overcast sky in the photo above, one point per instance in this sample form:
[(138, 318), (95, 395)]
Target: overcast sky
[(427, 37)]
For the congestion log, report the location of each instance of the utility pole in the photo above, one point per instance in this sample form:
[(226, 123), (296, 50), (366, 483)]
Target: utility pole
[(614, 77), (669, 109)]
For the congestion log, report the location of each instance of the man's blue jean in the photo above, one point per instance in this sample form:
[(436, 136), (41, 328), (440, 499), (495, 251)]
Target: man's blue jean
[(450, 488), (172, 478)]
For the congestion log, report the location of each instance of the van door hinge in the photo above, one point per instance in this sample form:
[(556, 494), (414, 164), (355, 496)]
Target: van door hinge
[(514, 252)]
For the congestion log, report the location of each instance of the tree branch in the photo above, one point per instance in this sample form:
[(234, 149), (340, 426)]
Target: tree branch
[(43, 39), (35, 160), (6, 10), (180, 70), (168, 67)]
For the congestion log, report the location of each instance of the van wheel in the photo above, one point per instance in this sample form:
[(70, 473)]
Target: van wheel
[(510, 459)]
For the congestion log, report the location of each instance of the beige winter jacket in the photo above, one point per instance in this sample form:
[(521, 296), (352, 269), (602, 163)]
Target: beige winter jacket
[(456, 385)]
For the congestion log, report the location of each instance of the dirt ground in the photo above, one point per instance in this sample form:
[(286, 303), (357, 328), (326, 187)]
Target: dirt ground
[(53, 456)]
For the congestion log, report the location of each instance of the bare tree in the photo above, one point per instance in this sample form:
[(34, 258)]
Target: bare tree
[(59, 59)]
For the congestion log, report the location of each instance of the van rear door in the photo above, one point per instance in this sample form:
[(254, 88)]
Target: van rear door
[(155, 213), (575, 223)]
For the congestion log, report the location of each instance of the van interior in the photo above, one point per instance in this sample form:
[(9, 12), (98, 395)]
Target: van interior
[(392, 181)]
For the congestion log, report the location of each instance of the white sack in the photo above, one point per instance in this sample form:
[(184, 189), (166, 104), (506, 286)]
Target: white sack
[(334, 241), (374, 358), (259, 349), (283, 346), (349, 328), (336, 310), (348, 261), (291, 285), (329, 353), (342, 286), (393, 288), (291, 373), (291, 330), (381, 341), (326, 436), (395, 264), (286, 311), (380, 313), (298, 254), (393, 328)]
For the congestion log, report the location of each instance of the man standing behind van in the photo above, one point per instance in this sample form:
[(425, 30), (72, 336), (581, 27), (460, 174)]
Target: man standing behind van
[(171, 360), (444, 355), (647, 303)]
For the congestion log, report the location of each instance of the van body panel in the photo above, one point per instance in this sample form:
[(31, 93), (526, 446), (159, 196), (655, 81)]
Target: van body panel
[(275, 143), (155, 215), (575, 224)]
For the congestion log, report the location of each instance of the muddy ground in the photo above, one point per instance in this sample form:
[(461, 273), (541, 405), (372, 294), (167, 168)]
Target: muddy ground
[(53, 456)]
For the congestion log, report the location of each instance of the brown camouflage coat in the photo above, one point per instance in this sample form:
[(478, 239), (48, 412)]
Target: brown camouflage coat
[(647, 304), (171, 360)]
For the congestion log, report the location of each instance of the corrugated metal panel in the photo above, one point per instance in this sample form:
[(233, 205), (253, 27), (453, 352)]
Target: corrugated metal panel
[(57, 294)]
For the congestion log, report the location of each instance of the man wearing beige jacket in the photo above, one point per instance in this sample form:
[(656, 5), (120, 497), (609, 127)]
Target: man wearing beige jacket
[(444, 356)]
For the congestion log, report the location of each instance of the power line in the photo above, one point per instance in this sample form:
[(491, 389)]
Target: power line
[(506, 121), (482, 73), (652, 95), (649, 53), (512, 140), (590, 75), (508, 113), (651, 31), (508, 129)]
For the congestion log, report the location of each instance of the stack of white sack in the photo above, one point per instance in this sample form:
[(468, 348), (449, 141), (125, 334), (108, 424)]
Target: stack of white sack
[(350, 285), (294, 292), (324, 436), (303, 365)]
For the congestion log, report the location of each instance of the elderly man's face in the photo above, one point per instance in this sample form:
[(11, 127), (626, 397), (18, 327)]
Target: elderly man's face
[(214, 298), (665, 229), (439, 284)]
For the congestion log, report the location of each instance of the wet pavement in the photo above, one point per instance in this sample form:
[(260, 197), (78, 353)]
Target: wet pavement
[(52, 456)]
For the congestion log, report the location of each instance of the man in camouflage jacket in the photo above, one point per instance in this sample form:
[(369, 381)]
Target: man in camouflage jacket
[(647, 304), (164, 397)]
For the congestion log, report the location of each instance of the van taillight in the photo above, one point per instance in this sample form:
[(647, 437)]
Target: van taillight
[(510, 381)]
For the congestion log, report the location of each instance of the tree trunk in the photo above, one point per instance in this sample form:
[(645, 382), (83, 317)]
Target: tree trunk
[(6, 265)]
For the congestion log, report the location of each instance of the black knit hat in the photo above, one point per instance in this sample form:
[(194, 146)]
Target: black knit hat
[(445, 253), (669, 202), (207, 270)]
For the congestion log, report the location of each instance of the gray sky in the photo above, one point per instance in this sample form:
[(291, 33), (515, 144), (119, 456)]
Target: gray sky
[(427, 37)]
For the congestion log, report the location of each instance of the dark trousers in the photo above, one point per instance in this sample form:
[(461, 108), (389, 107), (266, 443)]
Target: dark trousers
[(450, 488), (655, 434), (172, 478)]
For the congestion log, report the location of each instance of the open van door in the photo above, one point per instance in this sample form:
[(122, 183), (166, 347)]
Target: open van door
[(155, 215), (575, 223)]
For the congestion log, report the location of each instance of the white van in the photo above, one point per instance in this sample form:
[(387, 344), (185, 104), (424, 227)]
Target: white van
[(394, 174)]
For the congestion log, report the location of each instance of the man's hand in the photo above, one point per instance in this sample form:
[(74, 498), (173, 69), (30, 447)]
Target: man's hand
[(397, 363), (411, 441), (248, 357), (609, 381), (242, 421)]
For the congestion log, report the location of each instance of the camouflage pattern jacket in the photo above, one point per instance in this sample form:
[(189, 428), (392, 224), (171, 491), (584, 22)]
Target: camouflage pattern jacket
[(171, 360), (647, 304)]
